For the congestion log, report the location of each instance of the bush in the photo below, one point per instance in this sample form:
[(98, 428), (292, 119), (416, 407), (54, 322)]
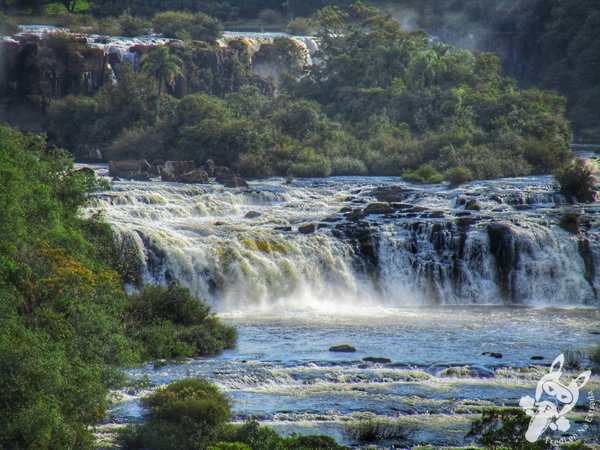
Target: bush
[(182, 25), (577, 179), (260, 437), (595, 355), (377, 430), (187, 414), (500, 428), (425, 174), (574, 359), (346, 165), (570, 222), (171, 323), (458, 175), (299, 26)]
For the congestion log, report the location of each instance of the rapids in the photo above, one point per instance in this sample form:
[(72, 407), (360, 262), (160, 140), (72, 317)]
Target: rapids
[(427, 276), (488, 242)]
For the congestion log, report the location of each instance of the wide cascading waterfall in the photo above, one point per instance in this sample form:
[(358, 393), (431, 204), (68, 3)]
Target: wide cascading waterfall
[(370, 242)]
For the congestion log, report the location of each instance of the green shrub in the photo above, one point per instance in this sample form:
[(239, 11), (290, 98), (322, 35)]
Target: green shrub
[(425, 174), (574, 359), (570, 222), (171, 323), (182, 25), (299, 26), (500, 428), (577, 179), (595, 355), (375, 430), (346, 165), (458, 175), (186, 414)]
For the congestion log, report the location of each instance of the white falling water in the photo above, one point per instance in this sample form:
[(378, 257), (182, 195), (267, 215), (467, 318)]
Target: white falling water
[(200, 237)]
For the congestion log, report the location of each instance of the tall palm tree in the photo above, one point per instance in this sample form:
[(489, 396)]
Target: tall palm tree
[(164, 66)]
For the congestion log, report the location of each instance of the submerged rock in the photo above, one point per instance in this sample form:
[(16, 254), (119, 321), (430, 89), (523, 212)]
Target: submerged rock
[(377, 360), (252, 215), (537, 358), (493, 354), (344, 348), (391, 193)]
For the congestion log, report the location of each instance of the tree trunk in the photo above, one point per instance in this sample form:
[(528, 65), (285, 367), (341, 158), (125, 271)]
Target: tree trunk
[(160, 89)]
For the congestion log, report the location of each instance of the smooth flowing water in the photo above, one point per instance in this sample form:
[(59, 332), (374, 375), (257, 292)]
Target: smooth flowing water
[(428, 277)]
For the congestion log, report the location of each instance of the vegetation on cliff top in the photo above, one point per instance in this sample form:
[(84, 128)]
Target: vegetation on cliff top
[(382, 101), (66, 324)]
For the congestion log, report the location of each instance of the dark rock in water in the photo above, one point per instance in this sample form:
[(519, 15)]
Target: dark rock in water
[(283, 228), (437, 215), (473, 205), (252, 215), (587, 254), (85, 170), (193, 176), (139, 176), (537, 358), (497, 199), (522, 207), (391, 193), (463, 214), (346, 209), (377, 360), (506, 253), (493, 354), (173, 170), (307, 228), (378, 208), (128, 168), (465, 222), (332, 219), (345, 348), (232, 181), (594, 332)]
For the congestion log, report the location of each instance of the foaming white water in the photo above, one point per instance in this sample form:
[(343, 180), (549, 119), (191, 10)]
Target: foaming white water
[(241, 249)]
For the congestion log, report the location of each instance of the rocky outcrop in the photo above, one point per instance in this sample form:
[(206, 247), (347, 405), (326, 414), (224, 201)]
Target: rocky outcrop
[(194, 176), (174, 170), (131, 169)]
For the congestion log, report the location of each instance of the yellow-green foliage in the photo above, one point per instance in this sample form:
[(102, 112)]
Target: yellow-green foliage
[(63, 310)]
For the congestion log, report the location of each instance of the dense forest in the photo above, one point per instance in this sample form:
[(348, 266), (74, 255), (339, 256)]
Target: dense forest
[(547, 44), (380, 101)]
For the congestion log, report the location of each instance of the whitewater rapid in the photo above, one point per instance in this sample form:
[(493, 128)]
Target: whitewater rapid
[(242, 249)]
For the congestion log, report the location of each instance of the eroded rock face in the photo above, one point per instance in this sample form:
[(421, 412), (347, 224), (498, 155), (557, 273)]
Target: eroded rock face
[(174, 170), (130, 169)]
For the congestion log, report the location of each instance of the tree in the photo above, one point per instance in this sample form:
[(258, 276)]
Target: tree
[(164, 66), (70, 5)]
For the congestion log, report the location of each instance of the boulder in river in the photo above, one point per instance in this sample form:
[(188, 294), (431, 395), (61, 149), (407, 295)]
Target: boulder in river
[(379, 208), (252, 215), (391, 193), (344, 348), (377, 360), (173, 170), (308, 228), (193, 176), (232, 181), (493, 354), (128, 168)]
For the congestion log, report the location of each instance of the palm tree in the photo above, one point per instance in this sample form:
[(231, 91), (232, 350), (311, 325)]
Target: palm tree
[(164, 66)]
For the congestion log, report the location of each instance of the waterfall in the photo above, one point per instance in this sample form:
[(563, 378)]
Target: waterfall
[(241, 249)]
